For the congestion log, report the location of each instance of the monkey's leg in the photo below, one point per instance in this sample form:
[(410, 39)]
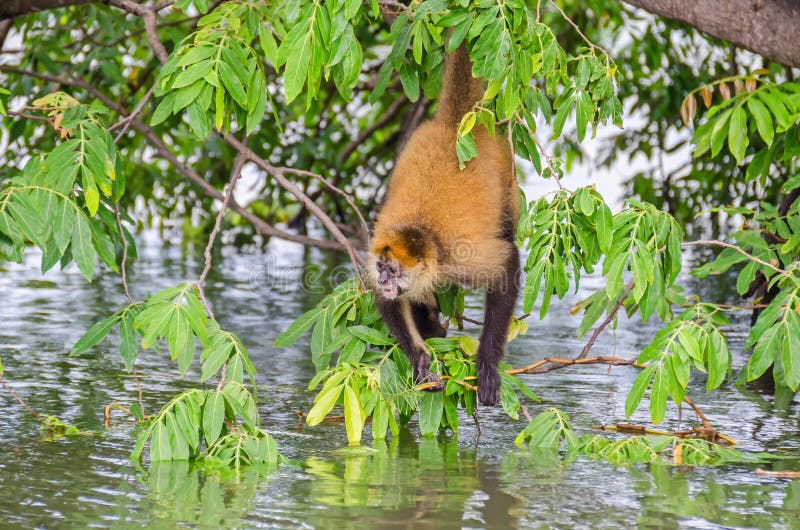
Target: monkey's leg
[(426, 317), (500, 301), (398, 316)]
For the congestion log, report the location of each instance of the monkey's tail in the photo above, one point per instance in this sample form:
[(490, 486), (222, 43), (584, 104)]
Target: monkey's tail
[(460, 91)]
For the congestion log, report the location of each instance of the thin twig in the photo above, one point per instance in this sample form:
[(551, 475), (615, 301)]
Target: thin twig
[(138, 389), (278, 175), (125, 122), (467, 319), (703, 419), (236, 172), (347, 196), (525, 412), (548, 158), (393, 4), (30, 116), (36, 415), (592, 46), (608, 319), (388, 116), (740, 250)]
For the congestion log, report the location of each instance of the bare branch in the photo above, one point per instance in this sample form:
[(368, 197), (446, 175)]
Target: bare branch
[(278, 175), (36, 415), (236, 172), (556, 363), (126, 122), (347, 196), (739, 250), (606, 322)]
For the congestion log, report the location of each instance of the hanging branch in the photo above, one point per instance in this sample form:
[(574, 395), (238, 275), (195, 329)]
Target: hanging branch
[(236, 172)]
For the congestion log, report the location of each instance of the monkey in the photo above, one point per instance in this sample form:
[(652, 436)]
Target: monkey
[(440, 225)]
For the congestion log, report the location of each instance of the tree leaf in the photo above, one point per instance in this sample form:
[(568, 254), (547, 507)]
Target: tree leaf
[(430, 413), (353, 416), (82, 249), (213, 415), (94, 335), (737, 134)]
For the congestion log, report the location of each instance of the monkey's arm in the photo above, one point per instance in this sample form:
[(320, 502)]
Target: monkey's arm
[(398, 316), (500, 301)]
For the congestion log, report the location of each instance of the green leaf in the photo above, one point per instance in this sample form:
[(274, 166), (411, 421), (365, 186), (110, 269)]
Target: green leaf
[(371, 335), (765, 352), (323, 404), (658, 395), (637, 390), (790, 354), (232, 84), (353, 416), (94, 335), (297, 328), (430, 413), (763, 120), (82, 249), (299, 45), (737, 134), (213, 415), (128, 347), (604, 227)]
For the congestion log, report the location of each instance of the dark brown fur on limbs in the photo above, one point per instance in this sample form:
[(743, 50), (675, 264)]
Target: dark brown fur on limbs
[(440, 225)]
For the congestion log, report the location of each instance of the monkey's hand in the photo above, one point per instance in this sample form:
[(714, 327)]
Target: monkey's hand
[(488, 385), (429, 381)]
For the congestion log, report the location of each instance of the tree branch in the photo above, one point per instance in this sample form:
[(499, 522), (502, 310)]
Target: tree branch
[(278, 175), (556, 363), (16, 8), (769, 28)]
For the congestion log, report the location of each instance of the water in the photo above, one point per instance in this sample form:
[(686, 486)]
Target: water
[(88, 481)]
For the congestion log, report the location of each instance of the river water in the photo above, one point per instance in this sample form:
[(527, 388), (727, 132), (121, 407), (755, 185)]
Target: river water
[(409, 482)]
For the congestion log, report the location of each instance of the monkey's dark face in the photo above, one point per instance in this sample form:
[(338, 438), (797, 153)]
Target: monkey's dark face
[(390, 276)]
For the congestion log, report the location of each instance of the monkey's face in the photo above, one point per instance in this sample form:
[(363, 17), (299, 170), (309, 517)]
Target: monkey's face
[(390, 277)]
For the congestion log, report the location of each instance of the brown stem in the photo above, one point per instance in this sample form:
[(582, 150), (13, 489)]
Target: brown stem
[(124, 264), (278, 175), (703, 419), (739, 250), (608, 319), (125, 123), (557, 362), (27, 407), (347, 197), (778, 474)]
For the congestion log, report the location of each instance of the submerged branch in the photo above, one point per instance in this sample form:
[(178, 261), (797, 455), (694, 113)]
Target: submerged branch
[(36, 415)]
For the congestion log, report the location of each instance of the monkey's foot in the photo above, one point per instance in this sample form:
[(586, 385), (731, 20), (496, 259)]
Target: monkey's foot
[(429, 382)]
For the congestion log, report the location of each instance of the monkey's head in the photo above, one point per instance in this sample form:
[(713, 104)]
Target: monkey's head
[(402, 263)]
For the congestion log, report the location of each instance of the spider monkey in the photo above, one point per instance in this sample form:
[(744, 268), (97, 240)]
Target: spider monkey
[(440, 225)]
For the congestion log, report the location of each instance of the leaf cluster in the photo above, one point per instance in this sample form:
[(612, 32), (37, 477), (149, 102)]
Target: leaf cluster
[(551, 432)]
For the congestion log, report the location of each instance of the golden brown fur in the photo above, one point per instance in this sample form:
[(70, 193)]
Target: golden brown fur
[(442, 225), (466, 209)]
